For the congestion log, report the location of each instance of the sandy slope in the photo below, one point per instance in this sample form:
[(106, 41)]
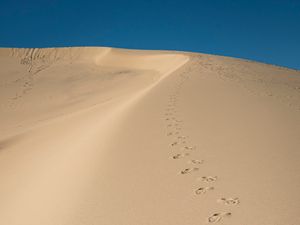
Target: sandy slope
[(108, 136)]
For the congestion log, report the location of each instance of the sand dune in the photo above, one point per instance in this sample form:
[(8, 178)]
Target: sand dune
[(110, 136)]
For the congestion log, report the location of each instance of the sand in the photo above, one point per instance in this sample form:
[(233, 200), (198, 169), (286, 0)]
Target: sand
[(104, 136)]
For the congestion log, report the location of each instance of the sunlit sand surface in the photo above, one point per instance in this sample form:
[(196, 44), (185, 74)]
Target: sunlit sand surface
[(104, 136)]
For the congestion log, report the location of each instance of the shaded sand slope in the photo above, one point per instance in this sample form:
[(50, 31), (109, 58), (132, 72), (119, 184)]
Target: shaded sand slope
[(109, 136)]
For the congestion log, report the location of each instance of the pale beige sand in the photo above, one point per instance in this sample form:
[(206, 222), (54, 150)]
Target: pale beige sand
[(101, 136)]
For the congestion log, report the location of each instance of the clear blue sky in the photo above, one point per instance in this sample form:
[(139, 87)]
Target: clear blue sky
[(261, 30)]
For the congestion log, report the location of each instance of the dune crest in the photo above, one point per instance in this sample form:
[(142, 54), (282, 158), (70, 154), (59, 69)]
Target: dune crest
[(28, 74)]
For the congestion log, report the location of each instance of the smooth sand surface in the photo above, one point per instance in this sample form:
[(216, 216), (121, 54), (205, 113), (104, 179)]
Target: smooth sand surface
[(104, 136)]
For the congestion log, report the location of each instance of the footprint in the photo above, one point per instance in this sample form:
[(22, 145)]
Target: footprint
[(203, 190), (196, 161), (174, 143), (189, 147), (182, 137), (229, 201), (209, 179), (217, 217), (189, 170), (178, 156)]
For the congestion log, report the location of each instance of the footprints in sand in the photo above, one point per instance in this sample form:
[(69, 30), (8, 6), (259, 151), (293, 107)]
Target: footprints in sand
[(196, 161), (217, 217), (182, 137), (189, 148), (209, 179), (189, 170), (203, 190), (174, 143), (187, 152), (178, 156), (229, 201), (24, 84)]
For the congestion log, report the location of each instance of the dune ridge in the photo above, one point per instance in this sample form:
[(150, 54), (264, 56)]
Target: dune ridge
[(112, 65), (96, 135)]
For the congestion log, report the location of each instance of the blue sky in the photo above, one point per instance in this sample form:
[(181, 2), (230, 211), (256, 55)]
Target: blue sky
[(265, 30)]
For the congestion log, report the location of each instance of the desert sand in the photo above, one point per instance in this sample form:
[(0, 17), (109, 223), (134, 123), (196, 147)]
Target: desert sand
[(105, 136)]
